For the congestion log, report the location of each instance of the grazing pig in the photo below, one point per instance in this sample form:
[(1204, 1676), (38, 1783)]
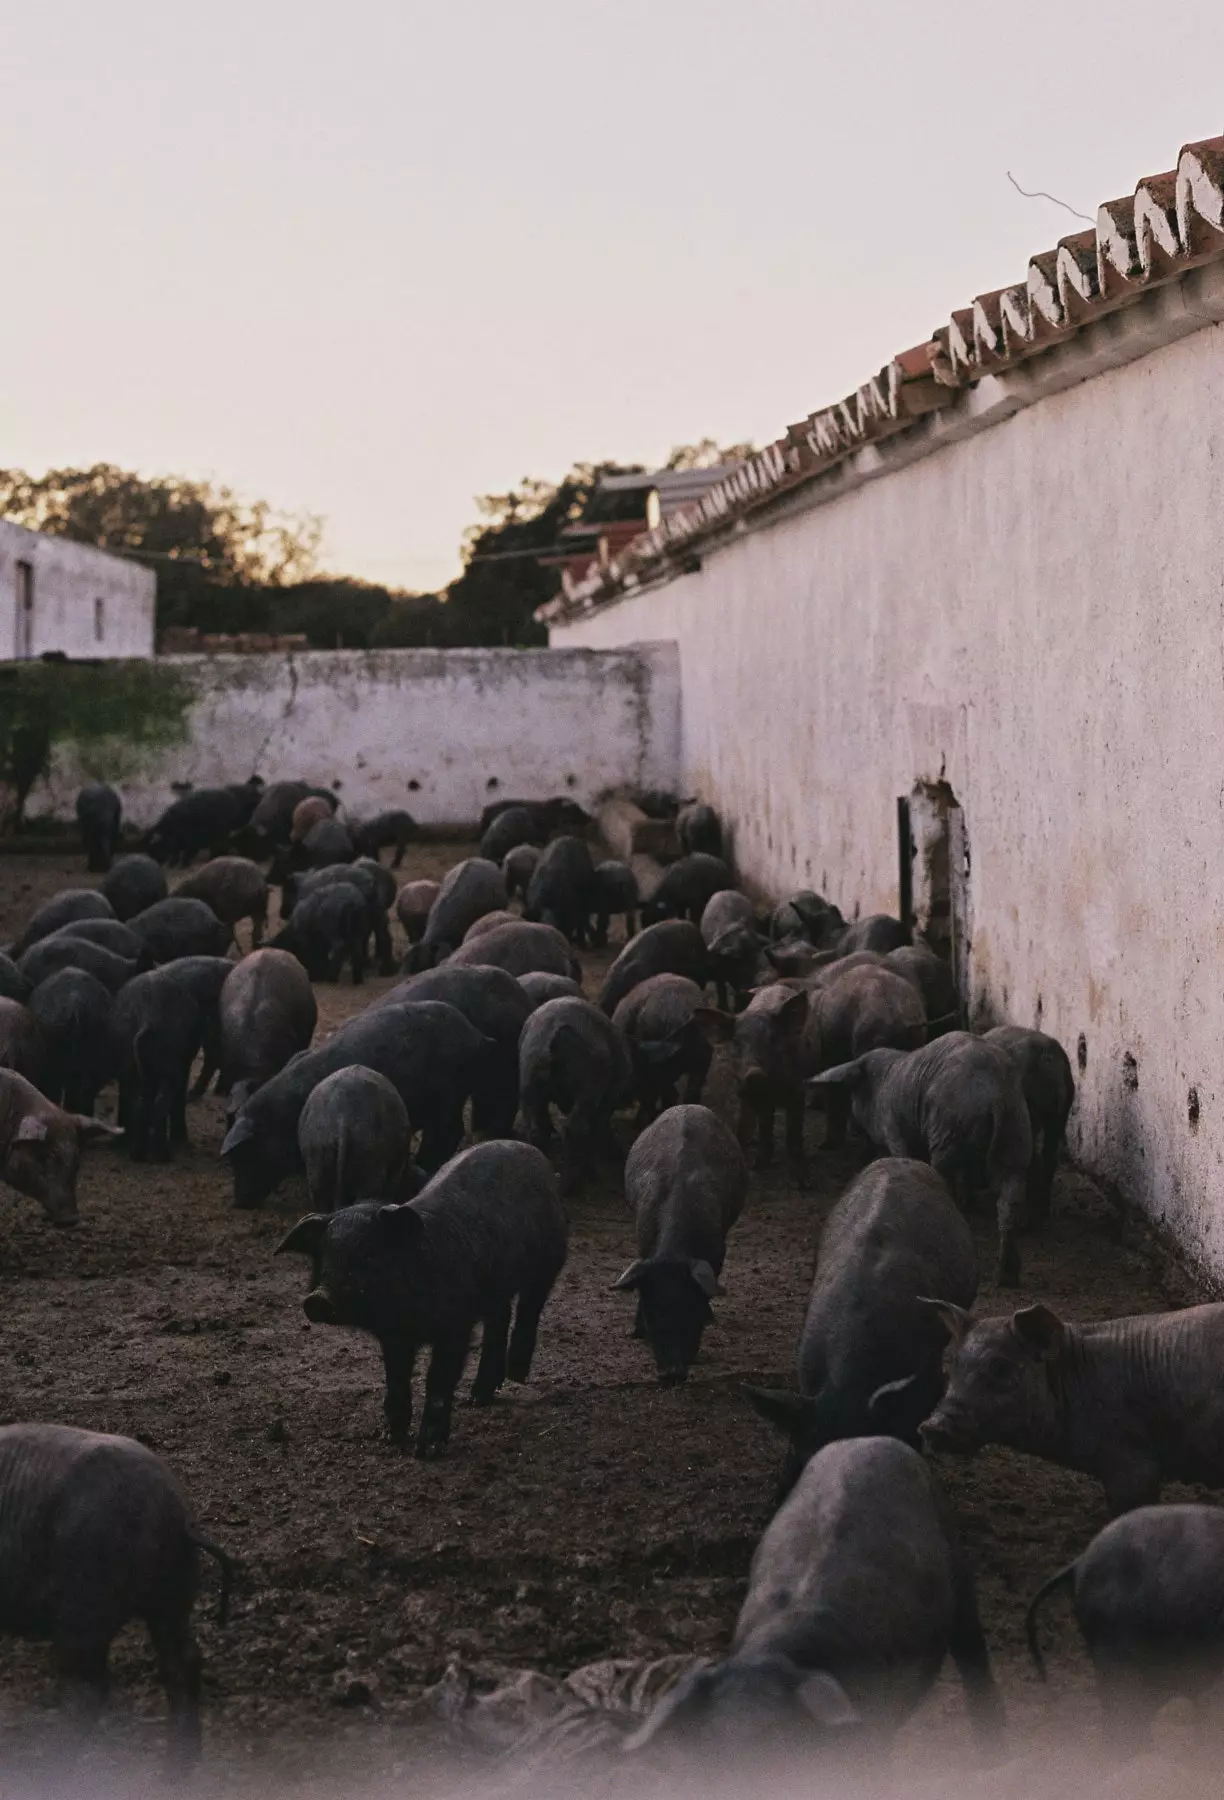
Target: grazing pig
[(767, 1058), (729, 927), (307, 814), (234, 888), (810, 916), (958, 1105), (430, 1054), (687, 888), (111, 935), (660, 1019), (1146, 1594), (40, 1147), (413, 905), (133, 884), (64, 951), (201, 980), (203, 820), (551, 816), (354, 1139), (540, 987), (562, 889), (492, 1001), (686, 1181), (376, 886), (519, 948), (487, 1230), (857, 1592), (1133, 1402), (852, 1011), (872, 1345), (393, 830), (878, 931), (22, 1044), (182, 927), (1049, 1093), (73, 1010), (272, 819), (329, 927), (510, 829), (471, 889), (490, 922), (699, 831), (97, 1533), (572, 1056), (99, 812), (616, 892), (267, 1012), (673, 947), (157, 1027), (327, 842), (934, 979), (13, 984), (65, 908), (518, 866)]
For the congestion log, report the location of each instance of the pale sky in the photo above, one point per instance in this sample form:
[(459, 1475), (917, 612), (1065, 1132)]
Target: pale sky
[(369, 260)]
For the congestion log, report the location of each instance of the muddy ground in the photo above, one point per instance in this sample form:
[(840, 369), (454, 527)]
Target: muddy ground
[(590, 1515)]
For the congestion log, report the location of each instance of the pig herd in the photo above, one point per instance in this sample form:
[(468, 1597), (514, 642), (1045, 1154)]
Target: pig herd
[(859, 1588)]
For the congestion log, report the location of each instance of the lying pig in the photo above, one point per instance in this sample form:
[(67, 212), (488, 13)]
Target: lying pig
[(413, 905), (487, 1230), (267, 1012), (1049, 1093), (354, 1138), (857, 1592), (1134, 1402), (672, 947), (40, 1147), (97, 1533), (661, 1021), (572, 1056), (1146, 1594), (871, 1349), (767, 1058), (471, 889), (958, 1105), (686, 1181)]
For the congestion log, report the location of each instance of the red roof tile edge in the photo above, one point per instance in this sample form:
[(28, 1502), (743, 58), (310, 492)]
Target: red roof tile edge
[(1173, 223)]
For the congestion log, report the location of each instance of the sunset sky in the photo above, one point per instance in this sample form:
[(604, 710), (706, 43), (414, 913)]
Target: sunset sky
[(371, 260)]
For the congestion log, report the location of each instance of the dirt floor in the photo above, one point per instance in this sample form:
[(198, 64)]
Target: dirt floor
[(590, 1515)]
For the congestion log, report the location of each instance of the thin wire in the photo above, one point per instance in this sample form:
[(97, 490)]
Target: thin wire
[(1040, 194)]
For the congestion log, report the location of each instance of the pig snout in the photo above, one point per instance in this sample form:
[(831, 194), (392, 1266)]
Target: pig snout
[(946, 1431), (318, 1308)]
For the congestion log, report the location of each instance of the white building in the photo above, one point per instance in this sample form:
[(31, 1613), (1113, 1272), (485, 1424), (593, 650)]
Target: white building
[(58, 595), (989, 585)]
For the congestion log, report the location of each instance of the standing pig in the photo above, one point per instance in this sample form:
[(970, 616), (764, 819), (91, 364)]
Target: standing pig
[(1049, 1092), (661, 1022), (686, 1181), (23, 1047), (393, 830), (492, 1001), (857, 1592), (934, 979), (562, 889), (134, 883), (377, 888), (329, 927), (572, 1056), (878, 931), (673, 947), (40, 1147), (203, 820), (1147, 1597), (471, 889), (518, 948), (687, 888), (487, 1230), (515, 826), (958, 1105), (810, 916), (872, 1345), (181, 927), (73, 1010), (853, 1011), (736, 947), (1133, 1402), (518, 866), (308, 813), (328, 841), (354, 1137), (99, 812), (540, 987), (767, 1058), (267, 1012), (234, 888), (97, 1533), (413, 905), (699, 831), (272, 819), (616, 891), (157, 1028)]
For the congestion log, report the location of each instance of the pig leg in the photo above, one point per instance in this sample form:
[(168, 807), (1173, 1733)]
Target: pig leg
[(1010, 1212), (259, 924), (639, 1321), (793, 1106), (531, 1303), (765, 1134), (383, 948), (537, 1118), (399, 1359), (82, 1659), (837, 1117), (180, 1666), (491, 1372), (599, 936), (441, 1380), (744, 1123), (630, 925), (441, 1137), (699, 1068), (967, 1648)]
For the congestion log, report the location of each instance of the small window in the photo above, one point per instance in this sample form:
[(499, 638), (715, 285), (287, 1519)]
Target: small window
[(99, 620)]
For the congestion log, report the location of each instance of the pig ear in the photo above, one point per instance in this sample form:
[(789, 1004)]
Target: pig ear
[(32, 1130), (656, 1050), (632, 1277), (827, 1702), (305, 1238), (719, 1027), (91, 1129), (240, 1132), (792, 1014), (400, 1224), (1039, 1330), (705, 1278), (779, 1407), (955, 1318), (848, 1075)]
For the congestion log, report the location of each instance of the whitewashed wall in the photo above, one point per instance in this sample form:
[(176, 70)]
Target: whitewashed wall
[(441, 732), (1038, 613), (69, 582)]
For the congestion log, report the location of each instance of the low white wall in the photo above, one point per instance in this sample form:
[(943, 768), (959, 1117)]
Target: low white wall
[(87, 603), (440, 732), (1037, 614)]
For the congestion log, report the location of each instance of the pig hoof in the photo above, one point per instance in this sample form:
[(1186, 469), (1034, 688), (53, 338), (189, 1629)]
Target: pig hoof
[(430, 1449), (483, 1396)]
